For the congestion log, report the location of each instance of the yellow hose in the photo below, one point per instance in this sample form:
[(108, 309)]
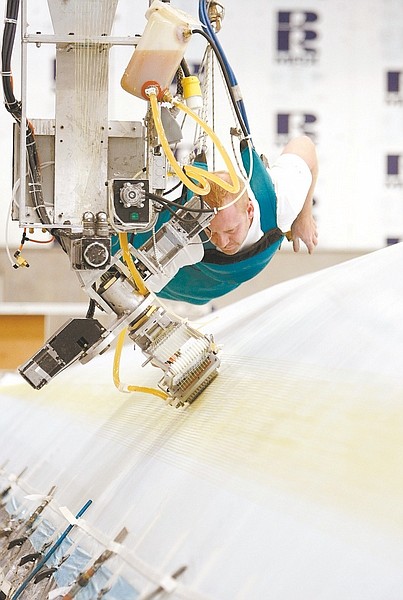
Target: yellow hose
[(127, 257), (124, 244), (116, 377), (198, 174)]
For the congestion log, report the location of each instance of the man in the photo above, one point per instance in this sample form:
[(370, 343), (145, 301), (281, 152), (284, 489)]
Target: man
[(245, 235)]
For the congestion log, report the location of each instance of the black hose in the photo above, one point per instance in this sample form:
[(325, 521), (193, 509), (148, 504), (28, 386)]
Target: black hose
[(91, 309), (168, 205), (185, 68), (171, 203), (14, 107), (10, 27)]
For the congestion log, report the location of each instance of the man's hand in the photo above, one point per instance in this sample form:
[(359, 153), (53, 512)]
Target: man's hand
[(304, 228)]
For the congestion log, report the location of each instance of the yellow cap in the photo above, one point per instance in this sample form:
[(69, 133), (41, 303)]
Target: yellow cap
[(191, 86)]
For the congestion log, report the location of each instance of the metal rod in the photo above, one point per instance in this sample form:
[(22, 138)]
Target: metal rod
[(106, 40), (49, 553)]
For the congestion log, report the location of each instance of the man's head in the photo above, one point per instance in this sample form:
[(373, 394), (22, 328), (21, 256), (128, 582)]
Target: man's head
[(229, 228)]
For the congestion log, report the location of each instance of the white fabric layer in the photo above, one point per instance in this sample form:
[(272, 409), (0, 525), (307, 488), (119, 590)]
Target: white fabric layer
[(290, 462)]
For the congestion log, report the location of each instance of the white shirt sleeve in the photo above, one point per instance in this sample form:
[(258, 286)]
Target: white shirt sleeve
[(292, 179)]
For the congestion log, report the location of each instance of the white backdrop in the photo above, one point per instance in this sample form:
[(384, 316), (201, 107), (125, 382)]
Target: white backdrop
[(332, 70)]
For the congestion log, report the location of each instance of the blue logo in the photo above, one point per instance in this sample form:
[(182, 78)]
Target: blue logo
[(297, 37), (296, 123), (394, 87), (394, 170)]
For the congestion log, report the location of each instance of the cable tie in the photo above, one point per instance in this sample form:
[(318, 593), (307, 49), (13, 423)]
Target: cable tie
[(6, 73), (40, 206), (8, 20)]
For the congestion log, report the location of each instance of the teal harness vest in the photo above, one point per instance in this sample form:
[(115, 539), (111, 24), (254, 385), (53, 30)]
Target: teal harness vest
[(218, 273)]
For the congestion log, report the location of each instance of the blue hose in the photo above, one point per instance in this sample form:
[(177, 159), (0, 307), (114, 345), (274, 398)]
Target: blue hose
[(203, 16)]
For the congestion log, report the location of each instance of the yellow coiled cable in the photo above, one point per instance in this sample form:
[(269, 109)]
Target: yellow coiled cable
[(198, 174)]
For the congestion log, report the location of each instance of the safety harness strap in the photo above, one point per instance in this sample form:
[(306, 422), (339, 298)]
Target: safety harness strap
[(215, 257)]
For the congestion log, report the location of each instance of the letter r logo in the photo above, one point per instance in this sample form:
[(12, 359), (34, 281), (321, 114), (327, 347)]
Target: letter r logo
[(294, 124), (295, 35)]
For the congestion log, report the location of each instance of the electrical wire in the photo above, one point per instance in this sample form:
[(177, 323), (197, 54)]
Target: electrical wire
[(7, 245), (25, 238), (205, 72), (186, 220), (175, 187), (171, 211), (168, 203)]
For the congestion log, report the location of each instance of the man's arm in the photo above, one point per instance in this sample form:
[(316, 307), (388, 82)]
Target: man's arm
[(304, 227)]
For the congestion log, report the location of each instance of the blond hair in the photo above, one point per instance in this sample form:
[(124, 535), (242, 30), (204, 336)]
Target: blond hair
[(218, 196)]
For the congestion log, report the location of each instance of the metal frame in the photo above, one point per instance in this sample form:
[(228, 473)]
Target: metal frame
[(24, 209)]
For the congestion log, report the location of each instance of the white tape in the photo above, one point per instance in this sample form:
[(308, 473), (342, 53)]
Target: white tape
[(56, 593), (237, 92), (168, 583), (115, 547), (92, 532), (70, 518), (36, 497)]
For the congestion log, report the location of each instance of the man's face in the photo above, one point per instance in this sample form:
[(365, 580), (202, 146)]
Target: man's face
[(229, 228)]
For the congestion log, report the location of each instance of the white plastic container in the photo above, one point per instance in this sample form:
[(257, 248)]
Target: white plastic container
[(159, 51)]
